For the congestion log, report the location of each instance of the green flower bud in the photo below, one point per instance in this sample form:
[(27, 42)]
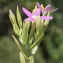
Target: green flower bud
[(16, 31), (26, 26), (12, 17), (46, 23), (32, 33), (13, 21)]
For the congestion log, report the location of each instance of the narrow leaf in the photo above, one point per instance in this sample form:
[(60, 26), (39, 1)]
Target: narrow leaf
[(19, 17), (31, 59), (22, 58), (37, 42)]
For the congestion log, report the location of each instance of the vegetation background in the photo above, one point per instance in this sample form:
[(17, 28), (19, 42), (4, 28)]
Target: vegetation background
[(50, 49)]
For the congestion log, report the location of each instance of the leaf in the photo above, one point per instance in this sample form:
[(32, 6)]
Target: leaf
[(19, 19), (37, 41), (22, 58), (31, 59), (34, 49), (31, 34)]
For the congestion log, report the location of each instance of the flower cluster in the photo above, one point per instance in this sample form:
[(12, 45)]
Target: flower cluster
[(31, 31), (37, 12)]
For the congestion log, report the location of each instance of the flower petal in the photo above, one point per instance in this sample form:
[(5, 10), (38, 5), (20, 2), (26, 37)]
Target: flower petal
[(29, 14), (54, 10), (39, 6), (31, 19), (46, 17), (26, 19), (37, 12), (48, 7)]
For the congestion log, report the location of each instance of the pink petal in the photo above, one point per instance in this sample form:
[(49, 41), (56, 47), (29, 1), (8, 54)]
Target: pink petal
[(46, 17), (29, 14), (47, 8), (31, 19), (37, 12), (39, 6), (26, 19), (54, 10)]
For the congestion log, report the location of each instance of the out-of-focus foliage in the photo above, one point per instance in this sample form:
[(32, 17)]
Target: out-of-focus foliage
[(51, 47), (8, 50)]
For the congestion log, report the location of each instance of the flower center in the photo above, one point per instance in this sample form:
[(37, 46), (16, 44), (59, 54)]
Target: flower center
[(34, 17), (44, 12)]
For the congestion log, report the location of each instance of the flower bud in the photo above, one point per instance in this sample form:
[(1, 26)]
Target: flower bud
[(26, 26)]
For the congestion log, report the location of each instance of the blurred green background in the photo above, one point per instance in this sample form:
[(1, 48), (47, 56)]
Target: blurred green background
[(50, 49)]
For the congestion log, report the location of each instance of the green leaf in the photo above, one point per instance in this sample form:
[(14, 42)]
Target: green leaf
[(19, 20), (37, 42), (31, 59), (20, 47), (22, 58), (34, 49), (31, 34), (16, 41), (26, 50)]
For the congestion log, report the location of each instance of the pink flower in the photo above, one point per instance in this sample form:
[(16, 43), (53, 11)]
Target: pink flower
[(46, 9), (33, 16)]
